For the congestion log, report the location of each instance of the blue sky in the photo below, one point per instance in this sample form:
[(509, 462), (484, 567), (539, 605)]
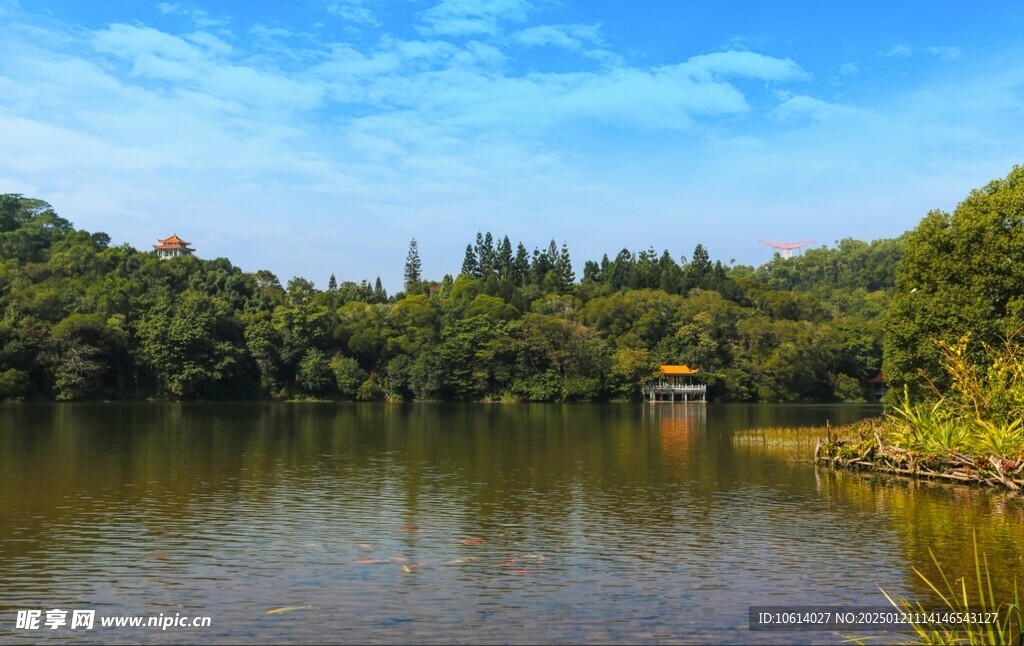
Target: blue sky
[(320, 136)]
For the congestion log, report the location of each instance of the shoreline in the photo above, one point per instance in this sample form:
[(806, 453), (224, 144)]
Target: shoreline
[(860, 446)]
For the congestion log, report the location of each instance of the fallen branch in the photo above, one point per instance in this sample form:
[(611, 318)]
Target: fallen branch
[(998, 466), (889, 459)]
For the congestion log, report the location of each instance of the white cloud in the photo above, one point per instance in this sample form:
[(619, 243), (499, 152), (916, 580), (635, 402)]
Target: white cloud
[(477, 55), (751, 64), (471, 17), (897, 51), (198, 17), (199, 61), (571, 37), (353, 11), (462, 98), (665, 97), (207, 41), (806, 107), (262, 31), (849, 69), (469, 89), (945, 53), (147, 47), (44, 148), (605, 57)]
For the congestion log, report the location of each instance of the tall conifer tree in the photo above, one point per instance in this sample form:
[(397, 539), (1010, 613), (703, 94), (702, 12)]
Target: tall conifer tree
[(413, 270), (470, 265)]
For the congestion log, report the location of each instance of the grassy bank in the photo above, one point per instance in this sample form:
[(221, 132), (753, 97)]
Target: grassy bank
[(990, 455), (973, 431)]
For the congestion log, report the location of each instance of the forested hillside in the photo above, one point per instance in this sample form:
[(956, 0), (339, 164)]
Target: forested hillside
[(961, 282), (84, 320)]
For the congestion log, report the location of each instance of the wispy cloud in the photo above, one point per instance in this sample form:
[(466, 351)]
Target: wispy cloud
[(752, 64), (199, 17), (945, 53), (201, 62), (807, 107), (571, 37), (897, 51), (471, 17), (354, 11)]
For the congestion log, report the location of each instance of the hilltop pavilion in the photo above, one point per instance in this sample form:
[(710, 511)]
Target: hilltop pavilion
[(173, 247)]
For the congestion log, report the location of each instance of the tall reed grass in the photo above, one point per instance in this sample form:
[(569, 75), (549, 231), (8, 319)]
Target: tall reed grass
[(1001, 622), (796, 443)]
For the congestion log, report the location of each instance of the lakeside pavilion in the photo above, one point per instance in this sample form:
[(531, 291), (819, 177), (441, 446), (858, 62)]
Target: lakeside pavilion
[(173, 247), (676, 383)]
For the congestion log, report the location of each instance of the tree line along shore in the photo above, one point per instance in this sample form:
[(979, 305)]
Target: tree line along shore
[(84, 319)]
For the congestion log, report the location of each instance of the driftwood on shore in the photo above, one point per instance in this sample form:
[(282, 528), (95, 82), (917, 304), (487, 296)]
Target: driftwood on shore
[(877, 456)]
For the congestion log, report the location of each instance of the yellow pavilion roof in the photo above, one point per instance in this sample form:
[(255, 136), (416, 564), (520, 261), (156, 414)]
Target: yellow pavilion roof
[(678, 370)]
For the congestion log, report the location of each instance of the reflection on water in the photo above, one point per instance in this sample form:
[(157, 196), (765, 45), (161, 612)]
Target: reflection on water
[(425, 523)]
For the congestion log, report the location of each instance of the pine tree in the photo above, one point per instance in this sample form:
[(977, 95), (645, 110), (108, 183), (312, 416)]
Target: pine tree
[(478, 249), (503, 262), (413, 272), (697, 269), (379, 295), (485, 253), (470, 266), (521, 266), (701, 261), (566, 275), (620, 272), (552, 252), (539, 267), (332, 284)]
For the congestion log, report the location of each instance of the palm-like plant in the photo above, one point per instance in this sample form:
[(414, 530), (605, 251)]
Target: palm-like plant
[(1001, 440)]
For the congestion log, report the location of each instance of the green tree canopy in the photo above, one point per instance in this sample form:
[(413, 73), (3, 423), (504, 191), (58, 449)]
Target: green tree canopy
[(959, 273)]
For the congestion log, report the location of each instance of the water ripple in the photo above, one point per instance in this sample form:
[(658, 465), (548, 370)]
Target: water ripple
[(416, 524)]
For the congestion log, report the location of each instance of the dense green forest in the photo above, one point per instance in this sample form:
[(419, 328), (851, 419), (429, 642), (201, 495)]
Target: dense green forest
[(81, 319), (961, 282)]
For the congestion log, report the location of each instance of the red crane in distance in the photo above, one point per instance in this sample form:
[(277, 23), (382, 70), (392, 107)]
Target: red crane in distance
[(786, 248)]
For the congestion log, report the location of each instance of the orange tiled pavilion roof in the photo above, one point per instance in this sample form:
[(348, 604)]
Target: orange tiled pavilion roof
[(174, 242), (668, 369)]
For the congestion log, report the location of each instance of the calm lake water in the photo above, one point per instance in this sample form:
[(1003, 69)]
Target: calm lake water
[(467, 523)]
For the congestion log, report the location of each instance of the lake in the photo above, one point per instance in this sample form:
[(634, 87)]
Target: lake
[(377, 523)]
